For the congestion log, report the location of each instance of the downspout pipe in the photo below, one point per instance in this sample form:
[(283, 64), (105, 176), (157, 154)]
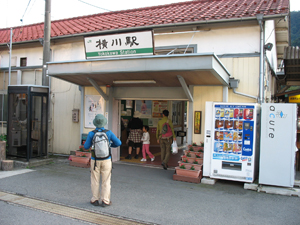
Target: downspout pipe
[(242, 94), (262, 57), (234, 84)]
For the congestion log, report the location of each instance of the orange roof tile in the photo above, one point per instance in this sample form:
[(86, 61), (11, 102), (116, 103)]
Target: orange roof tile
[(183, 12)]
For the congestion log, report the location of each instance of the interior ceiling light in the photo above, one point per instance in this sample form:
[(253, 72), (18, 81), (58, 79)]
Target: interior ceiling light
[(134, 82)]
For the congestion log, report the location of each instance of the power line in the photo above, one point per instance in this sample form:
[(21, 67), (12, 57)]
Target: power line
[(31, 6), (94, 6), (25, 11)]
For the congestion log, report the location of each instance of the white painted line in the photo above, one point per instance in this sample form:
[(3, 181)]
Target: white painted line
[(4, 174)]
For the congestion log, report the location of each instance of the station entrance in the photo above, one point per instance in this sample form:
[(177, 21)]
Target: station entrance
[(150, 112)]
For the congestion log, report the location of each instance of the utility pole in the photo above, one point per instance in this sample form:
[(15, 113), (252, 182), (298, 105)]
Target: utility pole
[(46, 42), (10, 46)]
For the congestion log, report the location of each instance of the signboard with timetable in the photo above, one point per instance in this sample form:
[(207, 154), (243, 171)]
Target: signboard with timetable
[(119, 45)]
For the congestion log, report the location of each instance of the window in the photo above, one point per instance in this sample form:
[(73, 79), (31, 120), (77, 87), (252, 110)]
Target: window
[(23, 62), (180, 49)]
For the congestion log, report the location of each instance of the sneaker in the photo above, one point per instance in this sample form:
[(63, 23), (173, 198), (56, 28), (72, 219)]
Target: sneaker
[(128, 157), (143, 160), (152, 159), (103, 204), (136, 156), (95, 203)]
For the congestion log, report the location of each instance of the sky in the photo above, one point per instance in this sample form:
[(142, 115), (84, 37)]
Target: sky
[(32, 11)]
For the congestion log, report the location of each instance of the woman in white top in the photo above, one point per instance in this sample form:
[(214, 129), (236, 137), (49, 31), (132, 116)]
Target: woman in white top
[(146, 144)]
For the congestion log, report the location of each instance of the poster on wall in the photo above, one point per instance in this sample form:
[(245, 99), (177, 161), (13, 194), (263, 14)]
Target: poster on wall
[(129, 104), (158, 108), (94, 104), (144, 107), (197, 122)]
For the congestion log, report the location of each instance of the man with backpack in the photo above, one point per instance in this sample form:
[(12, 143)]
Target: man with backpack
[(101, 162), (165, 136)]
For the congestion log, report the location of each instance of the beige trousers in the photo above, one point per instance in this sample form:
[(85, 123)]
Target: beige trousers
[(103, 168)]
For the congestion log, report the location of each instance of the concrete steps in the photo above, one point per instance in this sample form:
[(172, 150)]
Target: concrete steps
[(22, 163)]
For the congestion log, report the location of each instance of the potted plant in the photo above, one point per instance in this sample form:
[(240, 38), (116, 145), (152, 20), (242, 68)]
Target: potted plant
[(191, 154), (199, 158), (80, 159), (201, 144), (83, 153), (185, 170), (185, 160), (199, 154), (188, 159), (188, 165)]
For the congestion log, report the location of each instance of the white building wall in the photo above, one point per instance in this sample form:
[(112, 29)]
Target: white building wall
[(34, 56), (68, 51), (218, 41), (65, 135), (270, 38)]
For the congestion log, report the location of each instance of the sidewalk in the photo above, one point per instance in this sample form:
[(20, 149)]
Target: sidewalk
[(150, 195)]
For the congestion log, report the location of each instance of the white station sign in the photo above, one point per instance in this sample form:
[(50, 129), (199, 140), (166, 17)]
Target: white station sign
[(118, 45)]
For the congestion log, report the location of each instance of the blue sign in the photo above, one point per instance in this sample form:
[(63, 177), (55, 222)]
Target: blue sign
[(247, 149), (229, 157)]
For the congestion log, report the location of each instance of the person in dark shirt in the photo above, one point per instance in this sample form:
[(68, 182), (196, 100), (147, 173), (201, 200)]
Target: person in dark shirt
[(134, 139)]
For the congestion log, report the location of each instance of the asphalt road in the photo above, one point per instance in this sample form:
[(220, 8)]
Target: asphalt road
[(145, 194)]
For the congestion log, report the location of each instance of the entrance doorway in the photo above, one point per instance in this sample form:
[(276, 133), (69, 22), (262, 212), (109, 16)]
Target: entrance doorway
[(150, 113)]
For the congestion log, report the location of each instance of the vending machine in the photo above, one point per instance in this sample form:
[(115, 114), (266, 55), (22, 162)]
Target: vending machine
[(278, 144), (231, 141)]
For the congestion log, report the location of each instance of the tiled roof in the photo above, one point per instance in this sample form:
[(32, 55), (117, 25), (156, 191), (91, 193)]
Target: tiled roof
[(176, 13)]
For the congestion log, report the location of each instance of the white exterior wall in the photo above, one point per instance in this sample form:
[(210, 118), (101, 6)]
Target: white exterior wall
[(65, 135), (64, 98), (34, 56), (271, 57), (270, 38), (218, 41), (245, 69)]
